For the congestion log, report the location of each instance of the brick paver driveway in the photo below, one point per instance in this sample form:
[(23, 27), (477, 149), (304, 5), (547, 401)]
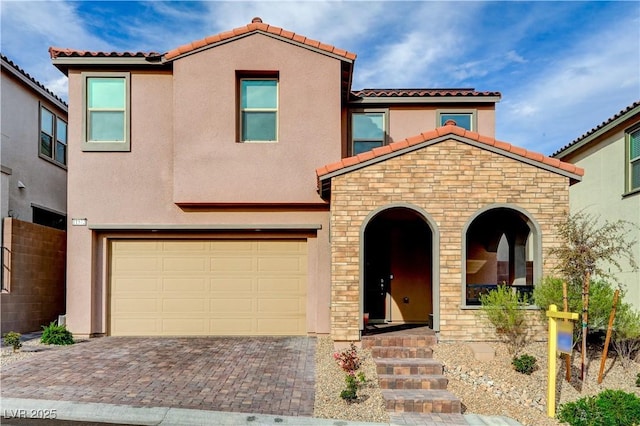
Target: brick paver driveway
[(269, 375)]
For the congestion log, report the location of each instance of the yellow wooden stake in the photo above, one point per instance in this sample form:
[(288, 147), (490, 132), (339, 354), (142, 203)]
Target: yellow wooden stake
[(554, 316)]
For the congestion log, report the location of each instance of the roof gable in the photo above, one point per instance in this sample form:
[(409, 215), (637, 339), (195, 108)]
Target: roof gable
[(448, 131), (257, 26)]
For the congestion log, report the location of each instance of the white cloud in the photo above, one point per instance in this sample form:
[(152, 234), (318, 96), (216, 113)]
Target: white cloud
[(581, 87)]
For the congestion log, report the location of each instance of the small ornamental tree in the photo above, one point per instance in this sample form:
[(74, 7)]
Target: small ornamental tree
[(589, 249)]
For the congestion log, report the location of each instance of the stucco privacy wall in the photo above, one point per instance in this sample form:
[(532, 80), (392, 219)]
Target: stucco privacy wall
[(450, 181), (35, 258)]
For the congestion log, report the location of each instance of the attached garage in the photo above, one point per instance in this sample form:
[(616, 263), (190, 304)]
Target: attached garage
[(207, 287)]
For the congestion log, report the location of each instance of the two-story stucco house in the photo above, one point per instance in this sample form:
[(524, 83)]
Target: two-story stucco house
[(238, 185), (33, 194), (610, 156)]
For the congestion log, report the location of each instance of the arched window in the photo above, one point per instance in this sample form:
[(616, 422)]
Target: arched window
[(499, 251)]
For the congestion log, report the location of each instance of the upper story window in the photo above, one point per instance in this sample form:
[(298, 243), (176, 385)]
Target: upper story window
[(634, 160), (368, 131), (53, 137), (258, 110), (106, 112), (466, 120)]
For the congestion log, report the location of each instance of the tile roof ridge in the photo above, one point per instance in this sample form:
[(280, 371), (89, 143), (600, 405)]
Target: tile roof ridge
[(256, 25), (450, 128), (32, 79)]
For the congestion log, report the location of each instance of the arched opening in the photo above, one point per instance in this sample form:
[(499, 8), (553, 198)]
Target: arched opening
[(500, 250), (398, 268)]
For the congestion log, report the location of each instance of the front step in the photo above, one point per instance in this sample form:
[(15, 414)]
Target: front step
[(408, 366), (421, 401), (401, 352), (393, 339), (402, 381)]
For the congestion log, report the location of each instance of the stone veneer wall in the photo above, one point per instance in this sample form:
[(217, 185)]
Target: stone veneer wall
[(33, 274), (451, 181)]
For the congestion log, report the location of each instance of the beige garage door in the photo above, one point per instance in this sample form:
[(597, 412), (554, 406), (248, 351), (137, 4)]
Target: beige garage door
[(208, 287)]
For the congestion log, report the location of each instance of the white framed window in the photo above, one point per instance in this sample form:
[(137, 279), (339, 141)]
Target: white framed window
[(464, 119), (106, 112), (258, 109), (368, 130), (53, 137), (633, 168)]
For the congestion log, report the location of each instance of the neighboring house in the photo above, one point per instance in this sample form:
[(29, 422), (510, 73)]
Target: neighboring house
[(610, 156), (237, 185), (33, 196)]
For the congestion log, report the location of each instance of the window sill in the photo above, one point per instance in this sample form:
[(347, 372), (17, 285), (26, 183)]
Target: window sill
[(106, 146), (52, 161), (631, 193)]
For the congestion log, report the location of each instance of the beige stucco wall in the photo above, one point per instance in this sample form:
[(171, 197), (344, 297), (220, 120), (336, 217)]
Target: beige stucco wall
[(449, 182), (407, 121), (209, 163), (183, 148), (601, 194), (45, 182)]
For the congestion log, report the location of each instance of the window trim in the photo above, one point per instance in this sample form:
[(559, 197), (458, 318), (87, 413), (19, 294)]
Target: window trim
[(385, 123), (113, 146), (628, 188), (54, 137), (257, 76), (472, 112)]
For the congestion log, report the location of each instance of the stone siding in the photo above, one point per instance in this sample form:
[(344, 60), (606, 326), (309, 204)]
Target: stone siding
[(452, 181)]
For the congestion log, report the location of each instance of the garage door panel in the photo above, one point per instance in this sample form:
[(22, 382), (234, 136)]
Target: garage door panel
[(235, 307), (136, 304), (185, 306), (279, 305), (215, 287), (191, 265), (185, 285)]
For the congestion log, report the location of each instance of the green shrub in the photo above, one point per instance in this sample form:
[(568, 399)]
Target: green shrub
[(626, 336), (610, 408), (525, 364), (13, 339), (54, 334), (503, 309), (351, 392)]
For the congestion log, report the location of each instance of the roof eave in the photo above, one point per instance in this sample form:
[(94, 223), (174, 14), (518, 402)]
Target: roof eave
[(586, 140), (425, 100), (63, 63), (572, 176), (33, 86)]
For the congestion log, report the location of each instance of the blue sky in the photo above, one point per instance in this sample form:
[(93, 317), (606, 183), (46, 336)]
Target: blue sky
[(562, 67)]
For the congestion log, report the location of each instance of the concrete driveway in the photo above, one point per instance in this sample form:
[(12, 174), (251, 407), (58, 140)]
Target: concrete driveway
[(268, 375)]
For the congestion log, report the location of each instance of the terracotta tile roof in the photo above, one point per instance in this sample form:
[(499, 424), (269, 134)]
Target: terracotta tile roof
[(409, 93), (257, 25), (33, 80), (598, 127), (60, 52), (447, 130)]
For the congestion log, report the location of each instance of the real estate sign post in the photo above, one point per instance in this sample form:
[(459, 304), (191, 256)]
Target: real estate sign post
[(560, 339)]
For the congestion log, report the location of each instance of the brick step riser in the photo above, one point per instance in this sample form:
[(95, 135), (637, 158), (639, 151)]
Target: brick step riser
[(400, 352), (424, 406), (413, 383), (418, 341), (406, 370)]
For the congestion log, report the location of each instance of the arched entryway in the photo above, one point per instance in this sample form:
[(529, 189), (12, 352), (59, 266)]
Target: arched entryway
[(398, 268), (502, 248)]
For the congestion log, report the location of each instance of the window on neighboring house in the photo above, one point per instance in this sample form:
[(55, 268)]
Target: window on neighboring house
[(258, 109), (462, 119), (634, 159), (106, 112), (50, 218), (53, 137), (368, 131)]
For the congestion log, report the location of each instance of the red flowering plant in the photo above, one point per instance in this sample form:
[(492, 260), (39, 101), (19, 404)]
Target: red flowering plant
[(348, 359)]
